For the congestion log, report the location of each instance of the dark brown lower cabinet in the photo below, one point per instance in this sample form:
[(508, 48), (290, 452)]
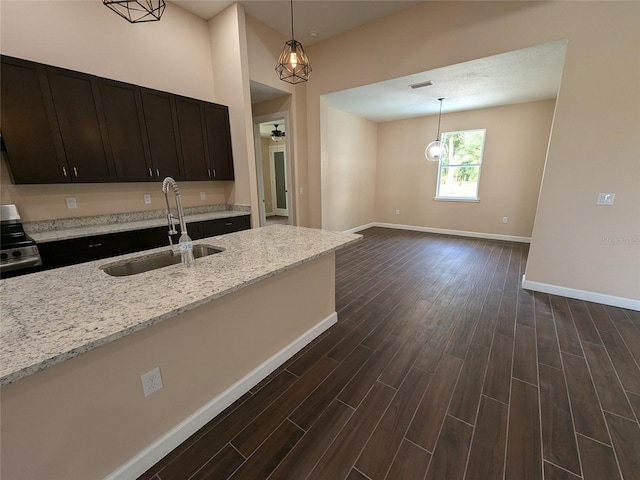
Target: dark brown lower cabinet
[(79, 250)]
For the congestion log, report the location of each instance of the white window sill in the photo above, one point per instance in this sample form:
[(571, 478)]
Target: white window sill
[(454, 199)]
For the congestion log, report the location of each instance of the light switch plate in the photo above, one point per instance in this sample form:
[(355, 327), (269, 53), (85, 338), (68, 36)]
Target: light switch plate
[(71, 203), (606, 198)]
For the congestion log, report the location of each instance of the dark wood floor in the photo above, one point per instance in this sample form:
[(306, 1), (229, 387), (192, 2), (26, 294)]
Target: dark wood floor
[(440, 367)]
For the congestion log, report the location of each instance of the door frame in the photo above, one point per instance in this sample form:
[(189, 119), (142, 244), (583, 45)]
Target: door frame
[(274, 194), (284, 118)]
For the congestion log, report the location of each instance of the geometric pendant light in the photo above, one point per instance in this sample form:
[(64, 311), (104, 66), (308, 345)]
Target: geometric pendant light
[(436, 149), (293, 65), (137, 11)]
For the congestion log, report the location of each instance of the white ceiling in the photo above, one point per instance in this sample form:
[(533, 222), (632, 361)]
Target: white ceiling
[(325, 17), (524, 75)]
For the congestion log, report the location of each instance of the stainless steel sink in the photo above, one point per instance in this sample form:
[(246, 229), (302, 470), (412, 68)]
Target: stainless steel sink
[(155, 260)]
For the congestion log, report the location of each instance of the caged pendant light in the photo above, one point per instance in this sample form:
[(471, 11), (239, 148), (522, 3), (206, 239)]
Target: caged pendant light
[(436, 149), (293, 64), (137, 11)]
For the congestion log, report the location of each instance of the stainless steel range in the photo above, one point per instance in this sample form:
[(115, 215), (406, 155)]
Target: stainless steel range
[(17, 250)]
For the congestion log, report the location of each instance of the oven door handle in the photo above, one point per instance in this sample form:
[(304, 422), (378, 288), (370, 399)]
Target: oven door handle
[(27, 262)]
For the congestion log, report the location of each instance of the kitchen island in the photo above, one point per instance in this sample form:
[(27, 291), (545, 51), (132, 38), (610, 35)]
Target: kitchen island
[(75, 341)]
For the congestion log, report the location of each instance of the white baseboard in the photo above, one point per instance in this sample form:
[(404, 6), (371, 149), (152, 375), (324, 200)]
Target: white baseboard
[(361, 227), (443, 231), (164, 445), (595, 297)]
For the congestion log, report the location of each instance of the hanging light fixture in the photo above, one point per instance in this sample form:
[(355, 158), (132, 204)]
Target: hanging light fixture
[(137, 11), (277, 135), (436, 149), (293, 64)]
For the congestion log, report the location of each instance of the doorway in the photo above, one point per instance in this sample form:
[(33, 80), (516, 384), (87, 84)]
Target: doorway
[(273, 169)]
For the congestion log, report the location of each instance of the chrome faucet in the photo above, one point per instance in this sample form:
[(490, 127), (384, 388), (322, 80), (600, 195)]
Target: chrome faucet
[(185, 245)]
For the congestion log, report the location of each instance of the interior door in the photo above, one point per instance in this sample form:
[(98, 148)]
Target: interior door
[(279, 181)]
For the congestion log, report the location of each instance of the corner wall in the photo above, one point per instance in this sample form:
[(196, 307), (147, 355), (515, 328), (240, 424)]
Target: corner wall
[(349, 170)]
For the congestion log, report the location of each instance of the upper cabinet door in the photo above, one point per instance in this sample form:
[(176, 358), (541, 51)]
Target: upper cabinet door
[(29, 126), (163, 134), (124, 119), (218, 138), (192, 140), (79, 111)]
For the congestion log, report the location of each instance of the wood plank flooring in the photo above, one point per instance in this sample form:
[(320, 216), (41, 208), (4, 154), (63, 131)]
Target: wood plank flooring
[(440, 367)]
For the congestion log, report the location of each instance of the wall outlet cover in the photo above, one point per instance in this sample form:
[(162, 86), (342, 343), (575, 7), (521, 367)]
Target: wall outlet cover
[(606, 198), (151, 381), (71, 203), (203, 196), (147, 199)]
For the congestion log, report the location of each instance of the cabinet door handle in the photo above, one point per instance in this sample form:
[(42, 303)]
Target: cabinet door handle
[(64, 171), (150, 172), (93, 245), (214, 172), (209, 172), (158, 172), (75, 172), (228, 224)]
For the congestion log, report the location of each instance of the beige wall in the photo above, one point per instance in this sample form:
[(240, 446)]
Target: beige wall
[(514, 153), (228, 42), (594, 144), (84, 418), (349, 170), (172, 55), (264, 45)]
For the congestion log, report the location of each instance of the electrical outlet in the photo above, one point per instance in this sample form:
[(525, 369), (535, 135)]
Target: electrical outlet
[(203, 196), (301, 190), (147, 199), (505, 219), (71, 202), (397, 212), (151, 381)]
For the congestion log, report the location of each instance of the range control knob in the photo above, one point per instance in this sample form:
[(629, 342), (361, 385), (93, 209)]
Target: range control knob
[(3, 256), (16, 253)]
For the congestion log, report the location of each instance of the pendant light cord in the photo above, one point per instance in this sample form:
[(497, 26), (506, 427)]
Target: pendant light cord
[(439, 116), (292, 35)]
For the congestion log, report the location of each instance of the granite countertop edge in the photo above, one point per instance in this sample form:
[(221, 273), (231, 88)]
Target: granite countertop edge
[(25, 371)]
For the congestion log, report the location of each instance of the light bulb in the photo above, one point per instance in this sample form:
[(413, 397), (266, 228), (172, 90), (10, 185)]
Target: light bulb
[(293, 60)]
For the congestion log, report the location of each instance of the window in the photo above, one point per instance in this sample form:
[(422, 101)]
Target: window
[(459, 169)]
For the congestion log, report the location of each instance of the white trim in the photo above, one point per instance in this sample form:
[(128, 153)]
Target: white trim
[(457, 199), (595, 297), (361, 227), (443, 231), (172, 439)]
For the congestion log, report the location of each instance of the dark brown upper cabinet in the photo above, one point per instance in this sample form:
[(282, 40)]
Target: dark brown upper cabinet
[(62, 126), (122, 104), (190, 115), (78, 107), (29, 125), (163, 134), (218, 138)]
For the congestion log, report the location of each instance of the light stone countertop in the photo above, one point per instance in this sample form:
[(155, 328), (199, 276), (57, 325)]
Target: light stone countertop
[(87, 231), (48, 317)]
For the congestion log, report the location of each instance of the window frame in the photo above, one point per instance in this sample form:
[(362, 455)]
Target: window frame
[(476, 198)]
